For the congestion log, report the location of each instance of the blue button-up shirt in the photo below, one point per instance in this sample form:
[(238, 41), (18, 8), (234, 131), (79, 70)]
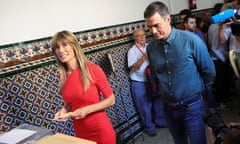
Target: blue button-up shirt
[(182, 65)]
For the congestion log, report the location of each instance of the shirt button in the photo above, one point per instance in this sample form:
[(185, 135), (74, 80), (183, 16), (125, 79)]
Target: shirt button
[(169, 72), (167, 62), (169, 83), (171, 94)]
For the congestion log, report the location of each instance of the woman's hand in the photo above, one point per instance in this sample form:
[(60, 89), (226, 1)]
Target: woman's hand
[(84, 111), (80, 113), (62, 114)]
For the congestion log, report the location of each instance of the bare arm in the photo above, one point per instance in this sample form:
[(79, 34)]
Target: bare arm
[(137, 64), (234, 124), (222, 38)]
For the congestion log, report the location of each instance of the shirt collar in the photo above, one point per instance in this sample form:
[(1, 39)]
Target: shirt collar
[(171, 37)]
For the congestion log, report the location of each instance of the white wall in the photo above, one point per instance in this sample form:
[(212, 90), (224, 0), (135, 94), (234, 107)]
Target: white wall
[(177, 5), (23, 20)]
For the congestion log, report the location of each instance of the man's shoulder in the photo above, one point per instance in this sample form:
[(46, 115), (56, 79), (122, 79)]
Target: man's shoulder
[(151, 44), (198, 32), (183, 34), (132, 47), (178, 31), (188, 36)]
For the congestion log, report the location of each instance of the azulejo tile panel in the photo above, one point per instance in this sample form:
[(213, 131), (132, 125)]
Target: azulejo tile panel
[(29, 91), (31, 97), (19, 56)]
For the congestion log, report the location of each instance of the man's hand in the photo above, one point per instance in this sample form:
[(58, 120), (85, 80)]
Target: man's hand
[(212, 137)]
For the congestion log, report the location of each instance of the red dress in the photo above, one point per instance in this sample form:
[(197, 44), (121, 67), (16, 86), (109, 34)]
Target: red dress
[(95, 126)]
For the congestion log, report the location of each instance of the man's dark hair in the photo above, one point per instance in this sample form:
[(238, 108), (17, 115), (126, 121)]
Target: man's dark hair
[(156, 7), (185, 12), (228, 1), (217, 8), (185, 20)]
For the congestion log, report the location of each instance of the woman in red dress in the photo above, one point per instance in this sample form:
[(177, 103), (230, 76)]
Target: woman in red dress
[(82, 83)]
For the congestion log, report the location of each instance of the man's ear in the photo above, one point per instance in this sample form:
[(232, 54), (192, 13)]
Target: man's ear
[(168, 19)]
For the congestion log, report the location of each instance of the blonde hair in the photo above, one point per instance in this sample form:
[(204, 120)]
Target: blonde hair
[(69, 38)]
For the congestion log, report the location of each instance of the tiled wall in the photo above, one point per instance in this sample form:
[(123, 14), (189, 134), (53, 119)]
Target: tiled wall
[(29, 91)]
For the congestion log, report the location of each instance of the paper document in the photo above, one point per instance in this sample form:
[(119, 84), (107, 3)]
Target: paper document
[(15, 135)]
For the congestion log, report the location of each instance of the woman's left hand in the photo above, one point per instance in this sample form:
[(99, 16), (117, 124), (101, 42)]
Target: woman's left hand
[(80, 113)]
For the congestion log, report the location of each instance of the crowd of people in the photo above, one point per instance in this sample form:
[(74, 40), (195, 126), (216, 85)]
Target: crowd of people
[(192, 68), (197, 51), (208, 46)]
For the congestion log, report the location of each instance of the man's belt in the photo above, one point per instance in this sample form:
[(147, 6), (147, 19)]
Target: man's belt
[(184, 103)]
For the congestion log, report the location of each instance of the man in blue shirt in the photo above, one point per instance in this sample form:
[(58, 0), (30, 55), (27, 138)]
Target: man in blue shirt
[(184, 69)]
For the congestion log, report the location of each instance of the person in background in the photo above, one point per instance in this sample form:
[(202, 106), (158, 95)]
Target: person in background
[(184, 69), (81, 83), (234, 4), (226, 36), (190, 25), (182, 14), (234, 45), (219, 54), (205, 22), (148, 107)]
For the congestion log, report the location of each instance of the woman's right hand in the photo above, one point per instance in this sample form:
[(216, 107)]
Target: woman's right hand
[(62, 114)]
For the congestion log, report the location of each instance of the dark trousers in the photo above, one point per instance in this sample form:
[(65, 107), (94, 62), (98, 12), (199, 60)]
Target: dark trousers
[(146, 105), (221, 80), (186, 124)]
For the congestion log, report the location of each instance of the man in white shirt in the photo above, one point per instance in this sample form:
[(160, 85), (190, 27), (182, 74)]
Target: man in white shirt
[(145, 103)]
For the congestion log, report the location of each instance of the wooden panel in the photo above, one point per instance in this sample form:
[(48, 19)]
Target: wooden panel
[(63, 139)]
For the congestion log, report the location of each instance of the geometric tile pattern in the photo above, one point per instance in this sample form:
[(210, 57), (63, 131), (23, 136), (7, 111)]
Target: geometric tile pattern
[(33, 96), (23, 56), (29, 91), (24, 50)]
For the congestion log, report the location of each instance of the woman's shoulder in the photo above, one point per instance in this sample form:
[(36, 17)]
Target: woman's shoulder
[(93, 67)]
